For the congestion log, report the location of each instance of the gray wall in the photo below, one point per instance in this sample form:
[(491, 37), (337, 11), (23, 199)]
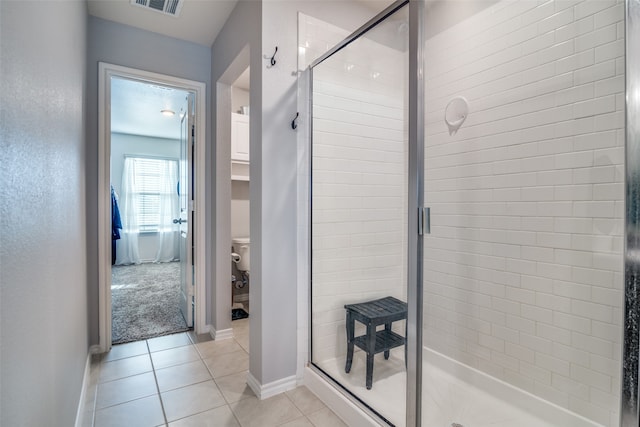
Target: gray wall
[(280, 173), (240, 209), (130, 47), (273, 189), (239, 97), (241, 36), (43, 281)]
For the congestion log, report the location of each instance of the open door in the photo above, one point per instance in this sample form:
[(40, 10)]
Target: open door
[(185, 190)]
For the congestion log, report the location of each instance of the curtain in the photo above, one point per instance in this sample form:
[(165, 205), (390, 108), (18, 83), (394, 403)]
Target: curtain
[(127, 249), (169, 208)]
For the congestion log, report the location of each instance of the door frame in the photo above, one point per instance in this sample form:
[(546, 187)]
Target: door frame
[(106, 71)]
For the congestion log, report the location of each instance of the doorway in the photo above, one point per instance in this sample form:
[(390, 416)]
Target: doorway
[(232, 197), (240, 203), (149, 277), (150, 127)]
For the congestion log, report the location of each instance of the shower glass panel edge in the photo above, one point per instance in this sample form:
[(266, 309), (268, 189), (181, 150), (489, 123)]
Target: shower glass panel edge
[(416, 205), (410, 418), (630, 387)]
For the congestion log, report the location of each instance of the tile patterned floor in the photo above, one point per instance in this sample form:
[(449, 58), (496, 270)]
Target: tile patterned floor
[(186, 381)]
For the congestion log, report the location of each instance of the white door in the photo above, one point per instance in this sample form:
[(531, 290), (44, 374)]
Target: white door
[(185, 189)]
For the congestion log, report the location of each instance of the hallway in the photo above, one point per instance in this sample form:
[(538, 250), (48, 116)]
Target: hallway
[(184, 380)]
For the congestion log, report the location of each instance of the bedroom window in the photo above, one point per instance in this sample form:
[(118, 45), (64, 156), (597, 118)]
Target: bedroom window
[(153, 185)]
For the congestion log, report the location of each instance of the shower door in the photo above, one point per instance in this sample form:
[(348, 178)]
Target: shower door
[(359, 187), (524, 177)]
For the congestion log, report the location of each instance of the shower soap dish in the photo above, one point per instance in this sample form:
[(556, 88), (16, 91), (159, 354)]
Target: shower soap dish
[(456, 113)]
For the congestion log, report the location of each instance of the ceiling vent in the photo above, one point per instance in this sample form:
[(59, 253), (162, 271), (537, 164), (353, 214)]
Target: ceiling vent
[(168, 7)]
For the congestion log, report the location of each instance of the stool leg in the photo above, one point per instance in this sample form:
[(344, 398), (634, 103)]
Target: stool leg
[(387, 327), (371, 351), (350, 333)]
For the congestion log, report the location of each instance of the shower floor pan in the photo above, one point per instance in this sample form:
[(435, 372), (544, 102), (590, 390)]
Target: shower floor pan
[(447, 399)]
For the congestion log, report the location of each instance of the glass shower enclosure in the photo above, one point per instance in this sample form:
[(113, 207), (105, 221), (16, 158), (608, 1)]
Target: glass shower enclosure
[(470, 163)]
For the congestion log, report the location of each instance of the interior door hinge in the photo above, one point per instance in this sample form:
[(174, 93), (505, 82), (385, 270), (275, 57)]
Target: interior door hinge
[(424, 221)]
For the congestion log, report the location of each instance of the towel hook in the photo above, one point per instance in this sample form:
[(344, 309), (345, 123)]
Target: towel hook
[(272, 60), (294, 122)]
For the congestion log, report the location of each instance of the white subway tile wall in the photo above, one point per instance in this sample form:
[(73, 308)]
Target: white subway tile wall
[(523, 269), (359, 193)]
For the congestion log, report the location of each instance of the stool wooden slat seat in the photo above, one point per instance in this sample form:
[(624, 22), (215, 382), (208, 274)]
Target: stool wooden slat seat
[(383, 311)]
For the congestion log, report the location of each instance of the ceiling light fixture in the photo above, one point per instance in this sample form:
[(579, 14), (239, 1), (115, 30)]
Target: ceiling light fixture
[(168, 113)]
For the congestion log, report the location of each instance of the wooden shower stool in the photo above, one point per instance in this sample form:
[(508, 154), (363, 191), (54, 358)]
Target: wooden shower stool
[(371, 314)]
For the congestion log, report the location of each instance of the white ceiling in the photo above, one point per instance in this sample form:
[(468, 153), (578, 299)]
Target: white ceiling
[(136, 106), (199, 21)]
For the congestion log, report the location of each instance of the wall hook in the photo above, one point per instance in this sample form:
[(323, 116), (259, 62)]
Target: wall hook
[(272, 60), (294, 122)]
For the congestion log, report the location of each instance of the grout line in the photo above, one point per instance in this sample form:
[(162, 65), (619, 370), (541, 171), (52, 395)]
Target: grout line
[(235, 416), (226, 403), (247, 370), (155, 377)]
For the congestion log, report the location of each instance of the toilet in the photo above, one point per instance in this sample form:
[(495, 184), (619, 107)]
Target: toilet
[(240, 256), (240, 253)]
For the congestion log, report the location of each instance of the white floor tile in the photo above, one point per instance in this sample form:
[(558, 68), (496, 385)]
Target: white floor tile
[(273, 411), (145, 412), (213, 348), (219, 417), (228, 363), (126, 389), (120, 351), (234, 387), (182, 375), (299, 422), (168, 341), (191, 400), (305, 400), (325, 418), (125, 367), (174, 356)]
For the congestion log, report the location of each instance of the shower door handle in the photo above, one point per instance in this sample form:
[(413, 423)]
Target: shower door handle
[(424, 221)]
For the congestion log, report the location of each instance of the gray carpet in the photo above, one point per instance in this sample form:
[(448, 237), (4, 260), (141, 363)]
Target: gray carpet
[(145, 301)]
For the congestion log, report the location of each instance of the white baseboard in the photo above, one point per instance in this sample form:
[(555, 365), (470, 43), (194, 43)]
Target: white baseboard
[(273, 388), (223, 334), (86, 380), (340, 404)]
